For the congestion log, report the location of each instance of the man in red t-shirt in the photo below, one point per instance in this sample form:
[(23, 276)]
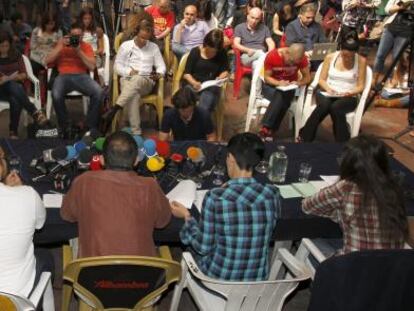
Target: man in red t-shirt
[(281, 69), (74, 59), (164, 20)]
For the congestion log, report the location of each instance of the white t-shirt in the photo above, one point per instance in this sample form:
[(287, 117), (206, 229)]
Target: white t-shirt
[(21, 212)]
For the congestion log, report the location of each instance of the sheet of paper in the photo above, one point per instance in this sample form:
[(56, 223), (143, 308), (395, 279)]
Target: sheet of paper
[(319, 184), (200, 194), (305, 189), (210, 83), (326, 94), (330, 179), (184, 192), (287, 87), (287, 192), (395, 90), (52, 200)]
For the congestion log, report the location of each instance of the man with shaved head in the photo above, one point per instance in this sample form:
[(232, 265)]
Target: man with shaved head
[(281, 69), (253, 38)]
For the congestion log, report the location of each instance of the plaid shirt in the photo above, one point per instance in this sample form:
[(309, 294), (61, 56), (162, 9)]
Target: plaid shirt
[(343, 203), (231, 240)]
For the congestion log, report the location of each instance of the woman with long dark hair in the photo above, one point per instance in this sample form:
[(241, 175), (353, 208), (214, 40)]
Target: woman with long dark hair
[(12, 74), (366, 202)]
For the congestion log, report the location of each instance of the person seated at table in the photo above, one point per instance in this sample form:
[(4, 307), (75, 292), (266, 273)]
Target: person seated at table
[(342, 79), (205, 63), (280, 70), (252, 38), (367, 202), (116, 210), (186, 121), (12, 74), (304, 29), (42, 41), (74, 59), (164, 20), (189, 33), (21, 213), (231, 239)]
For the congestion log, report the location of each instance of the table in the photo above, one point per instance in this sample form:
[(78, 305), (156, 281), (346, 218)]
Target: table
[(292, 223)]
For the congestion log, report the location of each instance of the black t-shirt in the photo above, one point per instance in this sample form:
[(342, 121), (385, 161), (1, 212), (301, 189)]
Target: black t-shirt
[(198, 128), (402, 25), (206, 69)]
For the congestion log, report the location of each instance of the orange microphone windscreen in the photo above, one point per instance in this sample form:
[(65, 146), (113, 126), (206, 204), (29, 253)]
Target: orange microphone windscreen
[(194, 153)]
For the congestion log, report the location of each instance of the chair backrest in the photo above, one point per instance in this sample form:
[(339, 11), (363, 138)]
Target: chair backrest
[(178, 74), (107, 61), (127, 282), (368, 280), (117, 41)]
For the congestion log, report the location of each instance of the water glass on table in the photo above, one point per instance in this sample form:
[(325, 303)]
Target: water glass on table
[(304, 171)]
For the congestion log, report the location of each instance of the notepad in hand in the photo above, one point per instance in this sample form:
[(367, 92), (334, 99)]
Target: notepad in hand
[(184, 192), (286, 88), (52, 200), (288, 192), (305, 189), (210, 83)]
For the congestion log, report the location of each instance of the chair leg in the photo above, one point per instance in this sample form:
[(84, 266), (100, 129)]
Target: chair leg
[(236, 84), (66, 296), (178, 290), (48, 299)]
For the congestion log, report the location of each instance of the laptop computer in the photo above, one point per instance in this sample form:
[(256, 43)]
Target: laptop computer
[(320, 50)]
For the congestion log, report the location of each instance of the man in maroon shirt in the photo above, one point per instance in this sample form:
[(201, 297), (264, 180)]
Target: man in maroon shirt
[(116, 209)]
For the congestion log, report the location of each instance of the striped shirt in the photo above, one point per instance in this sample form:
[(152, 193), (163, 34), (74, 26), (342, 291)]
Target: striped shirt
[(343, 203), (231, 240)]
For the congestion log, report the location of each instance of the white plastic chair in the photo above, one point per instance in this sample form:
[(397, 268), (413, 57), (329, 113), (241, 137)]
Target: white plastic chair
[(306, 249), (352, 118), (104, 72), (35, 99), (43, 289), (239, 296), (258, 104)]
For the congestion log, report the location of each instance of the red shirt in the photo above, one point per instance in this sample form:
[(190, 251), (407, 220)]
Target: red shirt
[(161, 21), (69, 62), (280, 70)]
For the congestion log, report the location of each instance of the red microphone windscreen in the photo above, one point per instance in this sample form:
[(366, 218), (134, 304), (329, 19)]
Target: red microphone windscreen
[(163, 148), (95, 164)]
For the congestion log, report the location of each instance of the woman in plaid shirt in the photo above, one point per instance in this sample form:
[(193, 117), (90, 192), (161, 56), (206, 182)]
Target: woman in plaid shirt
[(366, 202)]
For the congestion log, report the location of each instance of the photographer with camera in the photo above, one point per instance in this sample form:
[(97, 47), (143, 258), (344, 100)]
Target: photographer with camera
[(397, 30), (74, 59)]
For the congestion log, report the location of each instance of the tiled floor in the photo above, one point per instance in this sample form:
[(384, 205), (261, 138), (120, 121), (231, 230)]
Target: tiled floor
[(382, 122)]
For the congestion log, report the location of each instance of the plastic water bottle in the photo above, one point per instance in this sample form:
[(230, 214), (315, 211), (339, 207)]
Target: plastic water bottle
[(278, 165)]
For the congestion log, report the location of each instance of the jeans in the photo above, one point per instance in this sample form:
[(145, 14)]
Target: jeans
[(388, 41), (209, 98), (179, 49), (279, 104), (15, 94), (337, 108), (251, 60), (83, 84)]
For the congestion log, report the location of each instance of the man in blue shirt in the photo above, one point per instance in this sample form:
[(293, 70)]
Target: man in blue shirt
[(231, 239)]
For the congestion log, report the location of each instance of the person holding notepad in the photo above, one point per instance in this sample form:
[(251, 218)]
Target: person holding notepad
[(281, 68), (341, 81)]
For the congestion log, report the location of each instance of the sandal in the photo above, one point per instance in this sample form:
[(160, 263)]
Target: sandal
[(39, 117)]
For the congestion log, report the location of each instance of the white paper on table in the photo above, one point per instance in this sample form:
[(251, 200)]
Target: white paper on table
[(287, 87), (326, 94), (330, 179), (287, 192), (392, 90), (52, 200), (319, 184), (10, 77), (306, 189), (184, 192), (200, 194), (210, 83)]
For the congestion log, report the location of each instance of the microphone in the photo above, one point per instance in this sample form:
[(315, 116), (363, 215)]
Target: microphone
[(163, 148), (71, 153), (84, 158), (155, 163), (95, 164), (150, 148), (139, 141), (99, 142), (195, 154), (79, 146), (55, 154)]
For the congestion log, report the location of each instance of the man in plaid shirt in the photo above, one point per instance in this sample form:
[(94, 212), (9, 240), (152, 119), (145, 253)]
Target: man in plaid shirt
[(231, 240)]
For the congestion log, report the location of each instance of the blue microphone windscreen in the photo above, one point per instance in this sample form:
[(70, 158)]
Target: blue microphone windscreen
[(150, 147), (79, 146), (71, 153)]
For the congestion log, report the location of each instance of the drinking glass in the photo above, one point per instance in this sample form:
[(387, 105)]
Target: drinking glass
[(304, 171)]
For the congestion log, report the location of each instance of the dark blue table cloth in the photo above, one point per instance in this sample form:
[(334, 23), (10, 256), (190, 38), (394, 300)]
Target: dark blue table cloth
[(292, 222)]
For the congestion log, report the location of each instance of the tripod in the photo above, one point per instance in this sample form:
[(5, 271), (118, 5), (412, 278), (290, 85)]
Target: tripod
[(379, 86)]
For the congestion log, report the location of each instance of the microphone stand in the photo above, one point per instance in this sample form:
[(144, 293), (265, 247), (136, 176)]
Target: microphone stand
[(409, 43)]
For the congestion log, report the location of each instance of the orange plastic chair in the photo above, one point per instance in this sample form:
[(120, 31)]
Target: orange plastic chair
[(239, 73)]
